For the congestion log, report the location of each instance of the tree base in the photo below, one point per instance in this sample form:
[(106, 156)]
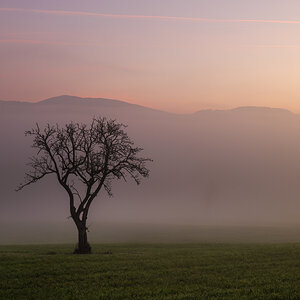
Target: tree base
[(86, 249)]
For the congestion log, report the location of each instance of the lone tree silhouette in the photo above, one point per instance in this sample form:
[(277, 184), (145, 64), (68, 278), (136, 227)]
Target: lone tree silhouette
[(84, 159)]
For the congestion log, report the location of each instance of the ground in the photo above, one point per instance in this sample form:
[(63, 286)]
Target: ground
[(151, 271)]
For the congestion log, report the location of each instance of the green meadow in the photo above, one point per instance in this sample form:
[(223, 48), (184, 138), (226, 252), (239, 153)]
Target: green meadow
[(152, 271)]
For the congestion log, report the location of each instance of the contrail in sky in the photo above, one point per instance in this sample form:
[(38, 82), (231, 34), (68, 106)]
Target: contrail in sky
[(143, 17)]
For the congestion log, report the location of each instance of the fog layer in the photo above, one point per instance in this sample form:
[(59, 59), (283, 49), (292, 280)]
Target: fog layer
[(239, 166)]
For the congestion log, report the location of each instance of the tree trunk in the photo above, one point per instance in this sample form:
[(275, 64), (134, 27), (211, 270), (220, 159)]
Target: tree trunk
[(83, 246)]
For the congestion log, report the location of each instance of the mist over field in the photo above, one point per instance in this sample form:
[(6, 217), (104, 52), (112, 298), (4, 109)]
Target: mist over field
[(215, 169)]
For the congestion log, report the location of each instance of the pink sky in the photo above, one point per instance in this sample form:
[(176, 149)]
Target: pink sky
[(175, 55)]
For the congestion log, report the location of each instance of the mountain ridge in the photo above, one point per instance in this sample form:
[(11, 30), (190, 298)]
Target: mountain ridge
[(68, 99)]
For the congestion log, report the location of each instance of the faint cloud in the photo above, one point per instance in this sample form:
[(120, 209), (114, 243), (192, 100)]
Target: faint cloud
[(277, 46), (144, 17), (36, 42)]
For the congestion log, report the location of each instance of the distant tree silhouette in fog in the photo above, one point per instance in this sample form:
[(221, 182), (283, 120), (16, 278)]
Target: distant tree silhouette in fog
[(84, 159)]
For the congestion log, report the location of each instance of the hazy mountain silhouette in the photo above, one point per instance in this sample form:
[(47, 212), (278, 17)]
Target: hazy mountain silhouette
[(213, 166)]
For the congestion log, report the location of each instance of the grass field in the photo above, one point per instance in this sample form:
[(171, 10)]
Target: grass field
[(151, 271)]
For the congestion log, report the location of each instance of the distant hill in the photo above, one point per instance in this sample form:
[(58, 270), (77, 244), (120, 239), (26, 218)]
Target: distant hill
[(249, 110), (74, 100)]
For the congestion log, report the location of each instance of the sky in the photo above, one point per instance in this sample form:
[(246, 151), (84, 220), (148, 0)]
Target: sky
[(176, 55)]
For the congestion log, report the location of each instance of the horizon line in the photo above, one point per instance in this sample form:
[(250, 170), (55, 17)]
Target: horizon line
[(145, 17), (156, 109)]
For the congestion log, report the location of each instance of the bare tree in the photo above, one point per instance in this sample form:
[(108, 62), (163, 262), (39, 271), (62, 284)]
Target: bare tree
[(84, 159)]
